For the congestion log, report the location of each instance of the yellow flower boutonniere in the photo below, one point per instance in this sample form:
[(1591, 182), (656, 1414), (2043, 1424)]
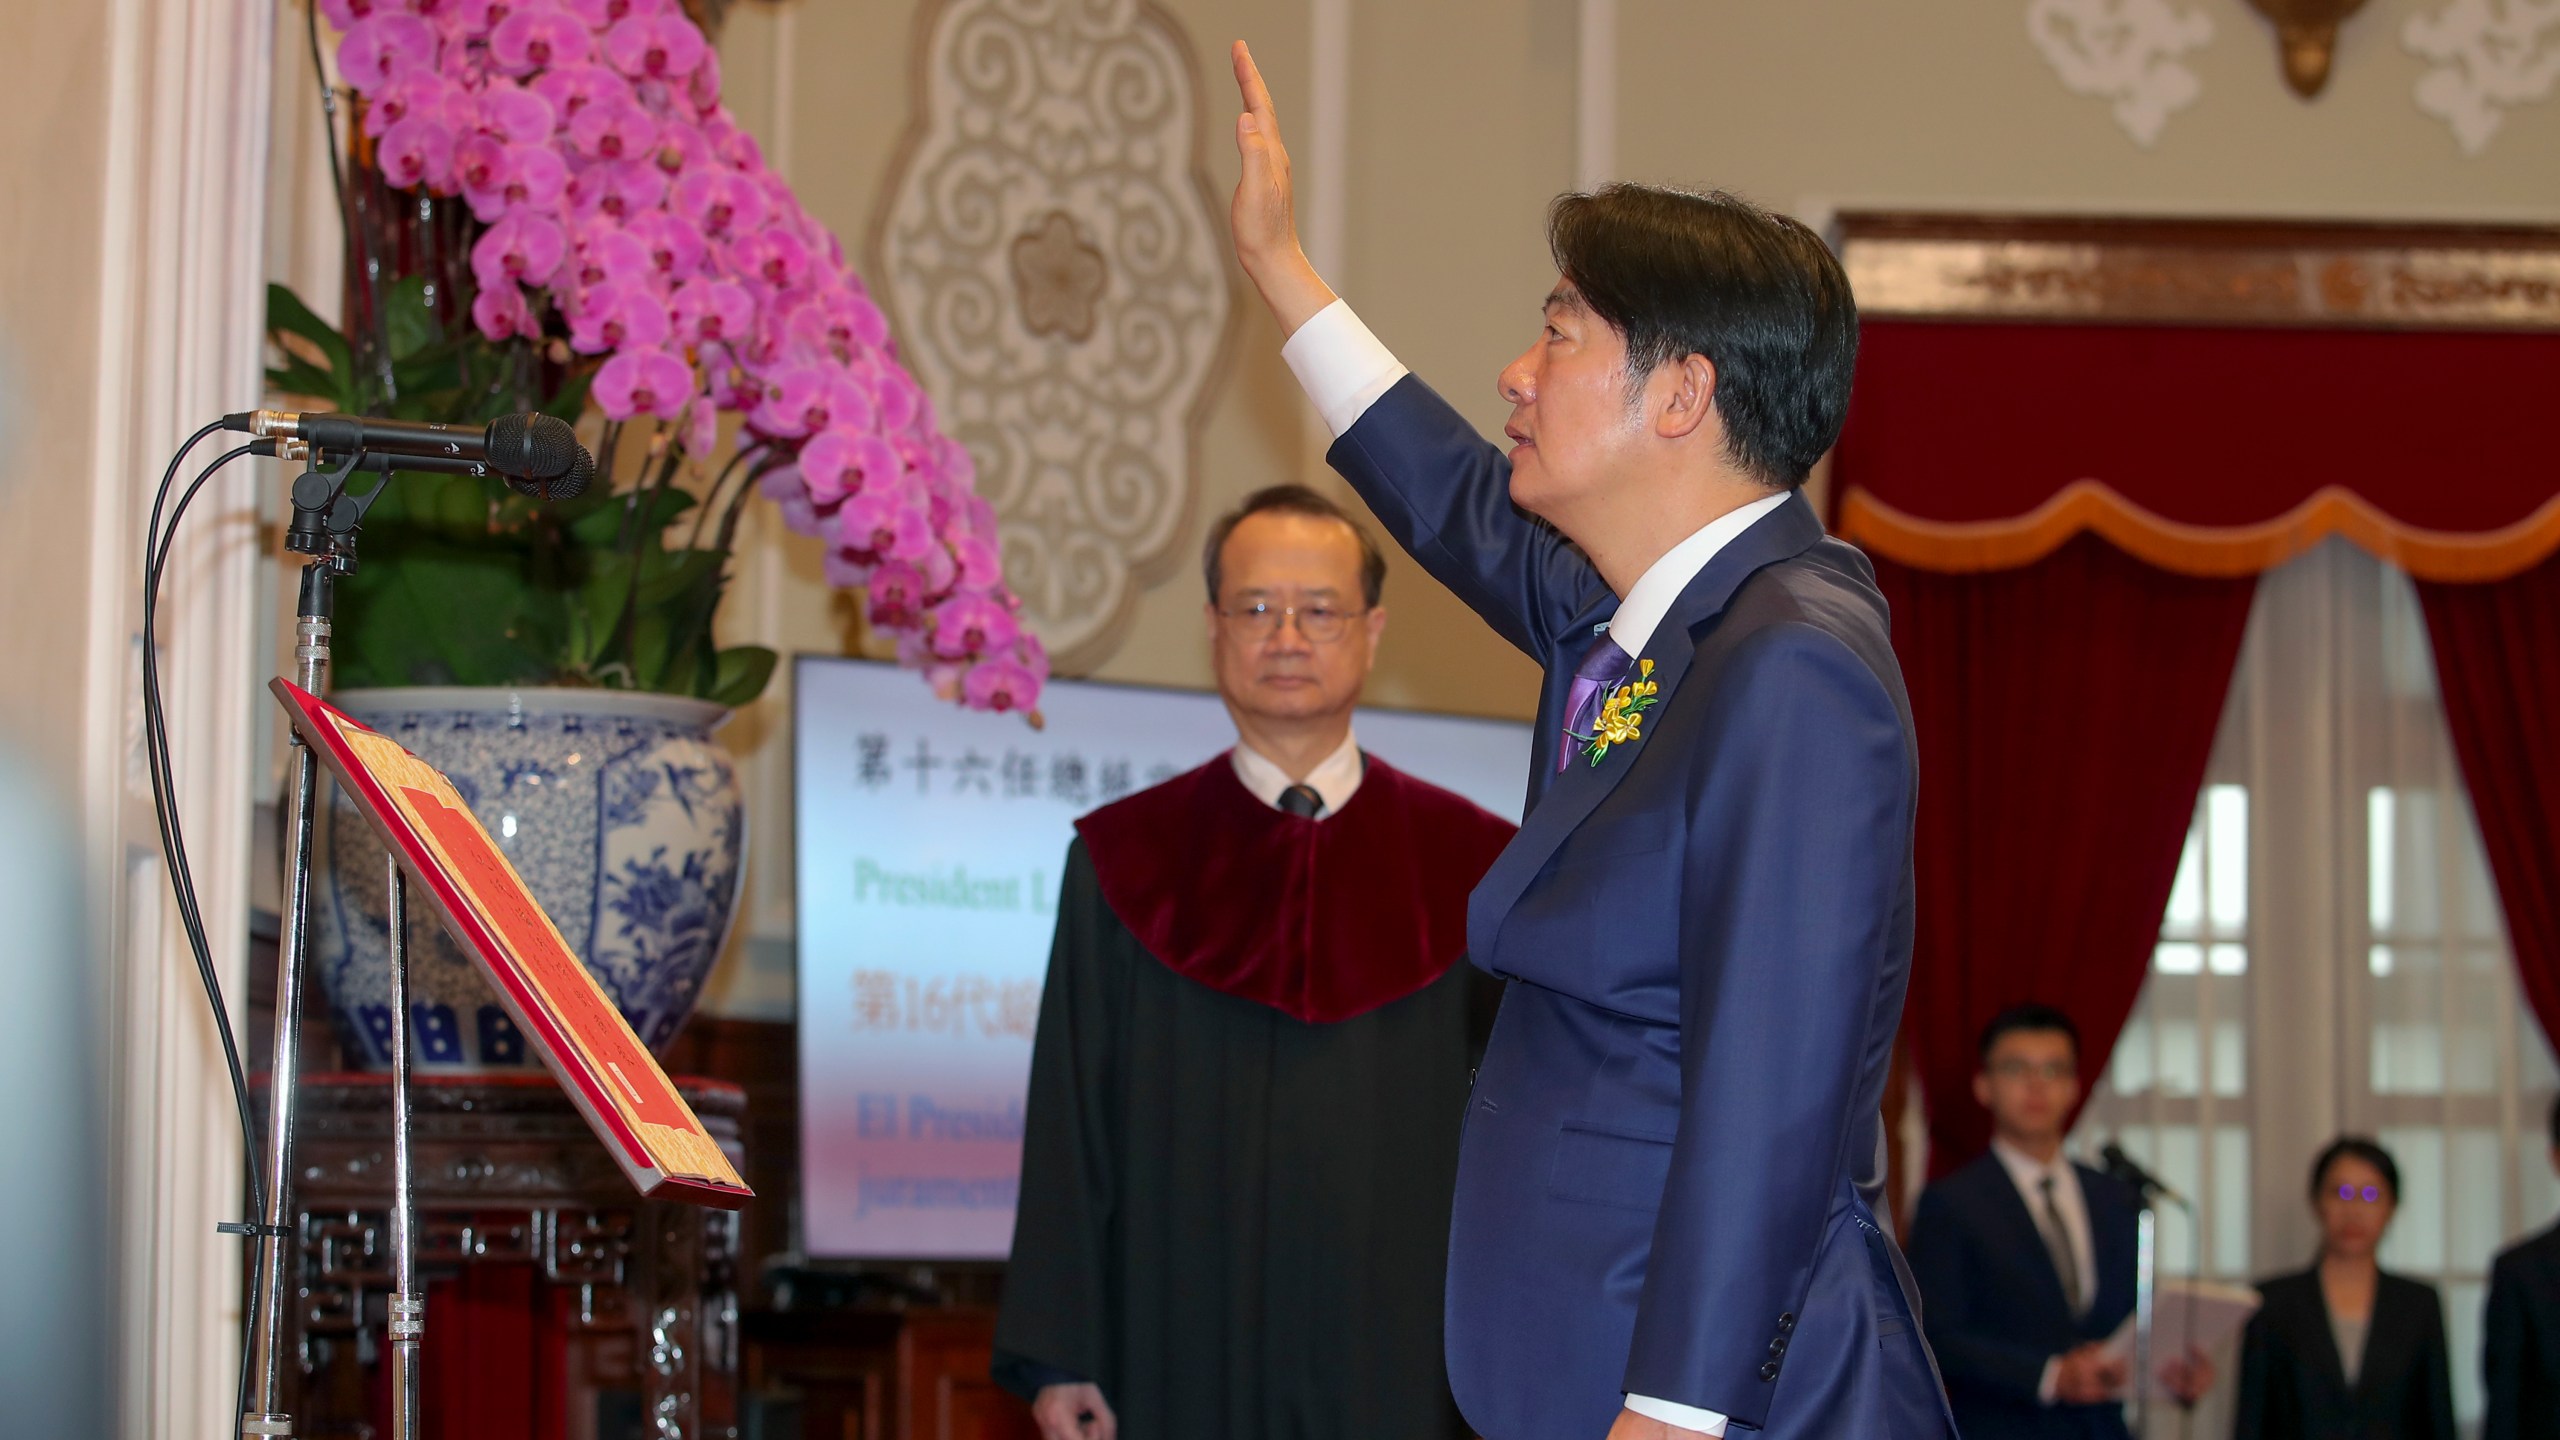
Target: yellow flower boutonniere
[(1621, 720)]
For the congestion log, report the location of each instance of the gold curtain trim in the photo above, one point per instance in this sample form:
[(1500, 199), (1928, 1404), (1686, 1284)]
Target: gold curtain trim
[(1969, 547)]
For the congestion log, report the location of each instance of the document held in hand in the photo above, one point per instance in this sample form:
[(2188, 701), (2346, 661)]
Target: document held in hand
[(2200, 1313), (627, 1100)]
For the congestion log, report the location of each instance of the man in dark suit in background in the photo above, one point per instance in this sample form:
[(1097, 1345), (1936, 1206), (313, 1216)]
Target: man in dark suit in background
[(2522, 1356), (1663, 1223), (2026, 1261)]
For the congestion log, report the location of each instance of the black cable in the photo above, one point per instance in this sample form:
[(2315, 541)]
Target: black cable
[(156, 549)]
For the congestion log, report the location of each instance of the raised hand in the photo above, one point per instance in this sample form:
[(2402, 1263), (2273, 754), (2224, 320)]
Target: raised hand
[(1263, 216), (1074, 1412)]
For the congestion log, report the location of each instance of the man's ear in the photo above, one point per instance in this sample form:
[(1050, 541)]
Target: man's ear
[(1687, 388), (1376, 620), (1982, 1090), (1209, 614)]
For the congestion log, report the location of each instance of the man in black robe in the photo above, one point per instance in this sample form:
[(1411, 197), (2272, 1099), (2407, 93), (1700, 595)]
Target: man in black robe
[(1254, 1051)]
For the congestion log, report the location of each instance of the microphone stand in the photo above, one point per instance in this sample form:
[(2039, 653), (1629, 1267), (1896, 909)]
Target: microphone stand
[(326, 520)]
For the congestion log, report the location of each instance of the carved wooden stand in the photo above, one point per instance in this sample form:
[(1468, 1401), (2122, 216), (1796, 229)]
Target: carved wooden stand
[(508, 1173)]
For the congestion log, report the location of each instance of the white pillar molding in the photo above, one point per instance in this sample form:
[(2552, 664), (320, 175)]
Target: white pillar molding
[(179, 317), (1595, 93)]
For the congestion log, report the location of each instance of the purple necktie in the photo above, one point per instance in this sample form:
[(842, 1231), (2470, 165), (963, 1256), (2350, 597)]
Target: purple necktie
[(1602, 667)]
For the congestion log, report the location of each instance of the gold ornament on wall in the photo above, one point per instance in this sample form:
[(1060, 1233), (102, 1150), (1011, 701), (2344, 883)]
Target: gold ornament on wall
[(2307, 38)]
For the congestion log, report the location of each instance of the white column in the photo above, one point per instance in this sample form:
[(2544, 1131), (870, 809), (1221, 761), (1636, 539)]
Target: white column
[(179, 306)]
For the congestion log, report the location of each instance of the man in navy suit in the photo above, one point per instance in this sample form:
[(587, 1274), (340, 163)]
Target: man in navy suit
[(2026, 1260), (1663, 1223)]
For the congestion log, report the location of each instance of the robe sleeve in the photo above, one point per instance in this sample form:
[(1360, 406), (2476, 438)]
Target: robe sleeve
[(1055, 1324)]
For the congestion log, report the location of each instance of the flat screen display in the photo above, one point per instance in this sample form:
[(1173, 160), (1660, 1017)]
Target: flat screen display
[(929, 845)]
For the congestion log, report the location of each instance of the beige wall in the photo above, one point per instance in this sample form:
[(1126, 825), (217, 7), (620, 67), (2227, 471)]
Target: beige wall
[(52, 154), (1462, 123)]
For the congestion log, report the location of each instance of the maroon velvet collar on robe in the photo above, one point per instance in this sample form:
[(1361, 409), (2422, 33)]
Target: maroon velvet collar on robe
[(1321, 920)]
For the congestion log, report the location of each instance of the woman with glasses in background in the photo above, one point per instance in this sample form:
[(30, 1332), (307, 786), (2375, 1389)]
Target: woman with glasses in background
[(2343, 1351)]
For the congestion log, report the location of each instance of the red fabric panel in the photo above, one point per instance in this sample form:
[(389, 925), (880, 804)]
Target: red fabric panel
[(2497, 652), (2213, 427), (479, 1369), (2065, 713)]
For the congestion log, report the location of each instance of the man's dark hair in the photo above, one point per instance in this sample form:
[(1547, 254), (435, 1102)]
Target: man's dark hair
[(2028, 1019), (1292, 500), (2356, 1147), (1756, 293)]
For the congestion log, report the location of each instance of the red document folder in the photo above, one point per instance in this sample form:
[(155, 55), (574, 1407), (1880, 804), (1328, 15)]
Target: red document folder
[(627, 1099)]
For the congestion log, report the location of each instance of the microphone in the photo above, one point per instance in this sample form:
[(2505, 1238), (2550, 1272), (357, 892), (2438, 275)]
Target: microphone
[(529, 447), (2113, 1160), (581, 471)]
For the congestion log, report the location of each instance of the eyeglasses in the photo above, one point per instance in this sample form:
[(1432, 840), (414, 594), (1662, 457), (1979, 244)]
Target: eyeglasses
[(2055, 1070), (2369, 1194), (1321, 624)]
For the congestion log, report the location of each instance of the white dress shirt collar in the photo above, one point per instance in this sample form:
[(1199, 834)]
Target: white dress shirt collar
[(1650, 598), (1334, 779)]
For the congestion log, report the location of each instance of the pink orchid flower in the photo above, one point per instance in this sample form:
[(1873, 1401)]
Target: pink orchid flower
[(770, 258), (497, 178), (571, 88), (417, 151), (707, 311), (809, 399), (981, 564), (676, 249), (970, 622), (501, 313), (720, 205), (613, 127), (617, 190), (1001, 685), (523, 248), (517, 115), (531, 40), (897, 595), (883, 525), (681, 148), (841, 463), (657, 47), (616, 314), (643, 381), (419, 92), (383, 47), (606, 252)]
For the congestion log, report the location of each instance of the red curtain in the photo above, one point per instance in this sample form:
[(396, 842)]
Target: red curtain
[(2065, 713), (2498, 666)]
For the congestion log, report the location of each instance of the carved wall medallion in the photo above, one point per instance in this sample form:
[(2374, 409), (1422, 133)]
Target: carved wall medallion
[(2307, 38), (1052, 255), (2125, 51), (2489, 56), (2203, 272)]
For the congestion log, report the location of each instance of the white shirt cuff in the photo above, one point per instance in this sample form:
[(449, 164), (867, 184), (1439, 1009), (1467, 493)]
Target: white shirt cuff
[(1341, 366), (1687, 1417), (2049, 1388)]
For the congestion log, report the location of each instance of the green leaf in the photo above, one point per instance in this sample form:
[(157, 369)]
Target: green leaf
[(740, 675), (405, 317), (286, 314)]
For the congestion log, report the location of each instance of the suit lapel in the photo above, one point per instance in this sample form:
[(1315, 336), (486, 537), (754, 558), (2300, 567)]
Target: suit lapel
[(1561, 807), (2026, 1238)]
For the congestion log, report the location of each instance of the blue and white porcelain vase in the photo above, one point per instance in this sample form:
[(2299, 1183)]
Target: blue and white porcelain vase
[(619, 810)]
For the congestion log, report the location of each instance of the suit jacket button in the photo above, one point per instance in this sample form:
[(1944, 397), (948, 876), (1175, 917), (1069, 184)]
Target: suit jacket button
[(1786, 1322), (1777, 1348), (1769, 1371)]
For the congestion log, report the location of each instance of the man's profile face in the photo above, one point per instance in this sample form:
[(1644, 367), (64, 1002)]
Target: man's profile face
[(2029, 1082), (1572, 426), (1271, 666)]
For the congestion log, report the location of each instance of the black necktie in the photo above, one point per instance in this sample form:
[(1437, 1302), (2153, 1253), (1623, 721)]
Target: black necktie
[(1301, 801)]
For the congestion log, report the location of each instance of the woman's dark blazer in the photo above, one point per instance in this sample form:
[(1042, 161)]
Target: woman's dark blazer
[(2293, 1386)]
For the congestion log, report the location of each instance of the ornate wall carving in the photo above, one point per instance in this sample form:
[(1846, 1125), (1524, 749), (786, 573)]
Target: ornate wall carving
[(2489, 55), (2125, 51), (1054, 261)]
